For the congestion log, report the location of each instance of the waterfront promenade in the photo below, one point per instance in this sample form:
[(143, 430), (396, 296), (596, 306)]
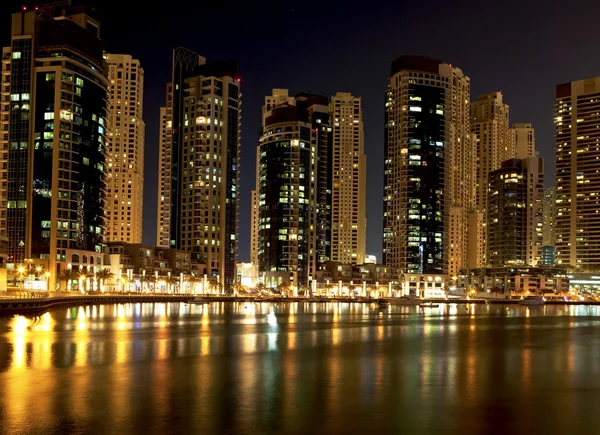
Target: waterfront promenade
[(32, 302)]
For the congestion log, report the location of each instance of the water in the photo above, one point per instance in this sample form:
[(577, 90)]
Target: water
[(301, 368)]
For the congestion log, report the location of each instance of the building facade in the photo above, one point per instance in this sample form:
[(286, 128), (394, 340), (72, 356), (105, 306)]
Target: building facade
[(348, 184), (577, 180), (428, 169), (523, 137), (287, 186), (125, 149), (514, 213), (54, 116), (493, 145), (549, 206), (199, 161)]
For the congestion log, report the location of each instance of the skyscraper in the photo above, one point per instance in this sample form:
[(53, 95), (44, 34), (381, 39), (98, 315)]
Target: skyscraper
[(54, 121), (292, 133), (348, 184), (125, 144), (514, 213), (198, 162), (577, 177), (523, 137), (428, 170), (493, 145)]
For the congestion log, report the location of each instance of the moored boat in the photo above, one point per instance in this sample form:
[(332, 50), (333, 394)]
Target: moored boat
[(533, 300)]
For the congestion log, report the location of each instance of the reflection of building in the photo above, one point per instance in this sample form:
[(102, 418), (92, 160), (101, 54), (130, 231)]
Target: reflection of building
[(577, 123), (125, 149), (515, 279), (198, 163), (54, 118), (428, 170), (514, 213)]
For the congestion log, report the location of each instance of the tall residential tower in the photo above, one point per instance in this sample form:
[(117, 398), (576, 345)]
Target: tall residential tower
[(493, 145), (199, 163), (125, 144), (54, 111), (514, 213), (427, 170), (523, 137), (348, 184), (293, 133), (577, 177)]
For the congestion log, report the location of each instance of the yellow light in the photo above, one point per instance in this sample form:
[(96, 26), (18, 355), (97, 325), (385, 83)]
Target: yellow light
[(47, 274), (21, 269), (39, 269)]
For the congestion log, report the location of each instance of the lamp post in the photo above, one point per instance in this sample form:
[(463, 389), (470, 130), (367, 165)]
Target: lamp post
[(47, 281), (21, 272)]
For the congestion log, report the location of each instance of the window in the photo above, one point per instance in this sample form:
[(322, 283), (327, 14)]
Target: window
[(16, 55)]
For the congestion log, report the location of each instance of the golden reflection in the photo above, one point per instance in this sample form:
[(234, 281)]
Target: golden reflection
[(205, 346), (121, 317), (335, 336), (292, 338), (19, 327)]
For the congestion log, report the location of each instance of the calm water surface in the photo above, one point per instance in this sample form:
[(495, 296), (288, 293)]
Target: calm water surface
[(301, 368)]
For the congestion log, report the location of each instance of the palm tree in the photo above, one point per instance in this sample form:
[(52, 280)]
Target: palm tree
[(146, 279), (66, 276), (260, 287), (214, 285), (103, 275)]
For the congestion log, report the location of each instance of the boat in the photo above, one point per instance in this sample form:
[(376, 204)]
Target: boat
[(428, 305), (382, 302), (199, 301), (532, 300), (406, 300)]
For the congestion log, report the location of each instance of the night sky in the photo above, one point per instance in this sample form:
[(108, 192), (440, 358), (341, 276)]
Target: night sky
[(522, 48)]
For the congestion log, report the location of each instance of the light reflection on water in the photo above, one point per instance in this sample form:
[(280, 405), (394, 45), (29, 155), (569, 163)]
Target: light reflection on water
[(297, 368)]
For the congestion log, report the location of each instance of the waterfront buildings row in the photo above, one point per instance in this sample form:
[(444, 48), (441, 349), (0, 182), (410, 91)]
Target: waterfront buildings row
[(462, 189)]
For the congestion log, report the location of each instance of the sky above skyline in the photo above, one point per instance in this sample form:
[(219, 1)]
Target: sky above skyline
[(523, 49)]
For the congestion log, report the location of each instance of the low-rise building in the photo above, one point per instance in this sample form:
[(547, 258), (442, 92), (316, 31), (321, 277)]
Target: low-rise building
[(514, 279)]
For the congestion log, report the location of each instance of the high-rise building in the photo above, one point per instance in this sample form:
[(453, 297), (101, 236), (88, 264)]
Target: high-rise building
[(428, 171), (199, 161), (514, 213), (292, 134), (493, 145), (348, 184), (549, 205), (523, 137), (125, 146), (577, 178), (54, 122)]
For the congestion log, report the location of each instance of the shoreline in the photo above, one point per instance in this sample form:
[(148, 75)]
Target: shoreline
[(10, 307)]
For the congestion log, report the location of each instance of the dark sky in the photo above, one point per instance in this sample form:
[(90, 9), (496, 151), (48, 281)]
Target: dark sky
[(522, 48)]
